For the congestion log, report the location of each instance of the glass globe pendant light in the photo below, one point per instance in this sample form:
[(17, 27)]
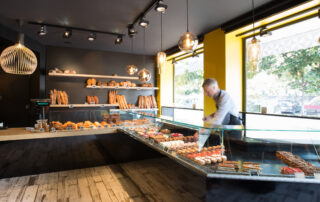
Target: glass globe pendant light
[(253, 48), (18, 59), (131, 69), (188, 41), (144, 75), (161, 56)]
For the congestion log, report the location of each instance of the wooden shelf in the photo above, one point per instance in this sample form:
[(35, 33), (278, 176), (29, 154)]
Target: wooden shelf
[(135, 110), (93, 76), (123, 88), (84, 105)]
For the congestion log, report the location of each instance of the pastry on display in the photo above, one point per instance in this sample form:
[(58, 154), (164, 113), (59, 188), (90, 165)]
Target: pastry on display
[(121, 99), (92, 100), (91, 82), (296, 162), (59, 97), (146, 85), (113, 97), (290, 171), (247, 166), (147, 102)]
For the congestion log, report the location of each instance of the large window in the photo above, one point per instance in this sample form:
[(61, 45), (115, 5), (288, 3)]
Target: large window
[(188, 79), (287, 80)]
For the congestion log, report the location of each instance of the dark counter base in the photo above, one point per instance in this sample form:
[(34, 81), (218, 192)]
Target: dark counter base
[(243, 190), (27, 157)]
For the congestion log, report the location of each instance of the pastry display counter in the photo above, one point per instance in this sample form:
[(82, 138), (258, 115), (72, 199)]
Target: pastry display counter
[(222, 152)]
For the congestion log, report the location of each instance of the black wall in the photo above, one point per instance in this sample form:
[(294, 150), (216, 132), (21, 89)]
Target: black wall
[(17, 90), (94, 62)]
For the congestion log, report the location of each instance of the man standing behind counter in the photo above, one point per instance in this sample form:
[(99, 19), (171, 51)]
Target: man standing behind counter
[(227, 113)]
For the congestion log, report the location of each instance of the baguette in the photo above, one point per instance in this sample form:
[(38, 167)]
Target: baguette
[(58, 98), (96, 99)]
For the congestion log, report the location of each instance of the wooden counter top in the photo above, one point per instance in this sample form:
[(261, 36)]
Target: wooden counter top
[(22, 134)]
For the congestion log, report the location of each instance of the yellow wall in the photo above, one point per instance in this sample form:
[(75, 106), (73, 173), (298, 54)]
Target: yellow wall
[(214, 64), (165, 82)]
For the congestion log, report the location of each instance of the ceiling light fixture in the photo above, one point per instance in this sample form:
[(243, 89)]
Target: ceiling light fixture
[(161, 7), (18, 59), (131, 69), (67, 34), (188, 41), (43, 30), (143, 22), (92, 36), (131, 31), (161, 56), (144, 74), (118, 40), (264, 32), (253, 48)]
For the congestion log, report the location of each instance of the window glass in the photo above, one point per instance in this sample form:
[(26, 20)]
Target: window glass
[(188, 79), (287, 79)]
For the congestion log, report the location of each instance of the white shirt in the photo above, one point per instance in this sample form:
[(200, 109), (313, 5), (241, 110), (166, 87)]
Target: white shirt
[(225, 106)]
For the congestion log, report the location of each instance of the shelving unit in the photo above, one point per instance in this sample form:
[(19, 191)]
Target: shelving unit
[(134, 110), (93, 76), (83, 105), (123, 88)]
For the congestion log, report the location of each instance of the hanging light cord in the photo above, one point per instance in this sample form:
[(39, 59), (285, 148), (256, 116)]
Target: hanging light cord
[(187, 15), (253, 19), (144, 46), (161, 30)]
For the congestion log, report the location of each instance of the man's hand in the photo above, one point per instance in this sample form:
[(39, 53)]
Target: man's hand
[(206, 118)]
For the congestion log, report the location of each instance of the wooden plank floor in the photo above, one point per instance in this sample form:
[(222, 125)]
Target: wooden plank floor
[(158, 179)]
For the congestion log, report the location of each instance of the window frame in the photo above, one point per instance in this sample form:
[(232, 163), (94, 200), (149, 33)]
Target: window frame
[(244, 73)]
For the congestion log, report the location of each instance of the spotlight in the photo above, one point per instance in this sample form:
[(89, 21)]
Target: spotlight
[(131, 31), (118, 40), (92, 36), (43, 30), (161, 7), (143, 22), (67, 34), (264, 32)]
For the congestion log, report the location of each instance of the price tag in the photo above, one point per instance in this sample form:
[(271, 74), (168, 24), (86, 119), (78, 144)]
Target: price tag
[(41, 129), (94, 86), (253, 173), (174, 154), (91, 127), (166, 149), (316, 176), (81, 128), (299, 175), (68, 128), (53, 130), (70, 106)]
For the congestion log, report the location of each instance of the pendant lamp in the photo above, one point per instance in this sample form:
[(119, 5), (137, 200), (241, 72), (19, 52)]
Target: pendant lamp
[(188, 41), (18, 59), (253, 48), (161, 56), (131, 69), (144, 74)]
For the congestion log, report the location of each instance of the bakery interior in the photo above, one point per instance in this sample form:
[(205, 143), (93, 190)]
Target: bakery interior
[(103, 100)]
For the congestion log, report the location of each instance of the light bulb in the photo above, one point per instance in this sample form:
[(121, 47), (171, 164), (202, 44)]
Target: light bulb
[(131, 69), (161, 61), (144, 75), (188, 42), (253, 54)]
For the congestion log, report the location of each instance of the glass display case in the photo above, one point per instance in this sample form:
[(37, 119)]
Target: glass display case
[(275, 154)]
